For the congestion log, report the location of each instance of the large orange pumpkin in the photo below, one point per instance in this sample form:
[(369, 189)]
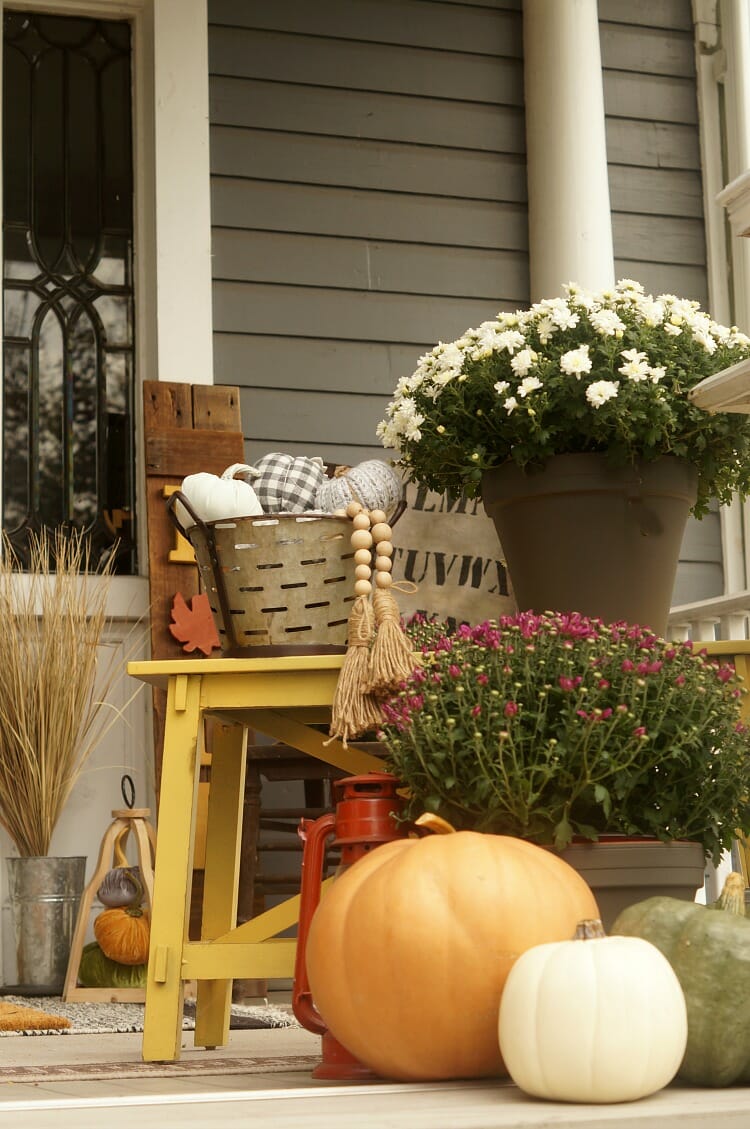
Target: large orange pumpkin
[(409, 949)]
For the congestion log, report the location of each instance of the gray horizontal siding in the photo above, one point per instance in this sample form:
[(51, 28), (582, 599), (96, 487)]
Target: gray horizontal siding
[(345, 315), (413, 23), (368, 199), (354, 64), (310, 363), (700, 575), (366, 214), (361, 164), (653, 146), (670, 14), (368, 115), (656, 193), (356, 264)]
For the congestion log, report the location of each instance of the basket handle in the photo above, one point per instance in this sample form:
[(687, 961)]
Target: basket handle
[(172, 501)]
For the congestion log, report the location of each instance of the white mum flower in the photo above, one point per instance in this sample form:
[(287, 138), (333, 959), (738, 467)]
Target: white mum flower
[(545, 327), (628, 286), (483, 340), (501, 386), (528, 384), (636, 365), (600, 391), (672, 329), (577, 296), (650, 311), (656, 374), (510, 404), (511, 340), (576, 361), (523, 361), (450, 356), (706, 340), (606, 322), (564, 317)]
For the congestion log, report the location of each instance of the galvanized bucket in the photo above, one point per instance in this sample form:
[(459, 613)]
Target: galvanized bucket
[(44, 895)]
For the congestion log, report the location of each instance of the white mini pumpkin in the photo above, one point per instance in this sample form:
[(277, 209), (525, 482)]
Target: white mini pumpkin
[(214, 498), (592, 1020)]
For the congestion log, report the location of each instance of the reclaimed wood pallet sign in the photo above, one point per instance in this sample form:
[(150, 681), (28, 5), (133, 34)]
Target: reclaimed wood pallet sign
[(187, 428)]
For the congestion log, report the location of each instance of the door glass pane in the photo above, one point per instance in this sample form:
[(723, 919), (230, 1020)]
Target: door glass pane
[(68, 324)]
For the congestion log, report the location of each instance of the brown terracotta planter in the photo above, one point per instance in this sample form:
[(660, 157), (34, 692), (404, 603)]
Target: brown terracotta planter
[(580, 536), (623, 871)]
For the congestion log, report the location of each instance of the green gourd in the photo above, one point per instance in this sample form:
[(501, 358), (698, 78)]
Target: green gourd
[(97, 971), (710, 953)]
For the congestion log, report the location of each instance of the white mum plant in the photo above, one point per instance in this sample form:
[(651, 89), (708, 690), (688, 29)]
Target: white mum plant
[(606, 372)]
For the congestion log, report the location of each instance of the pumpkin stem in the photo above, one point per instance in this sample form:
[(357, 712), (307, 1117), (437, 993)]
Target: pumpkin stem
[(133, 911), (589, 930), (732, 897), (435, 823)]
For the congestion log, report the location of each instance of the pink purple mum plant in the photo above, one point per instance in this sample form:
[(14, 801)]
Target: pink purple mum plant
[(554, 726)]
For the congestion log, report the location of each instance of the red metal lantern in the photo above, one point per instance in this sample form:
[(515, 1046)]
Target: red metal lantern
[(363, 819)]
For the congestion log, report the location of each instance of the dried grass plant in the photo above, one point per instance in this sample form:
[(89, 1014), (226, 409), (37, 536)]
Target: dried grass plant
[(53, 683)]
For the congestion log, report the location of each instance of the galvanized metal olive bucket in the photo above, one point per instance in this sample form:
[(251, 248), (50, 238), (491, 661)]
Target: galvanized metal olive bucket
[(44, 895)]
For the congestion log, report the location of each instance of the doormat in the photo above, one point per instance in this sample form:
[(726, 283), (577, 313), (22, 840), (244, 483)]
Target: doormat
[(205, 1066), (108, 1018), (14, 1018)]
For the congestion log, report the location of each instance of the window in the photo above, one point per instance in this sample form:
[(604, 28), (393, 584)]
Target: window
[(68, 320)]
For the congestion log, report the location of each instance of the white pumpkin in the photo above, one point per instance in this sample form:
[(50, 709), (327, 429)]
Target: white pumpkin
[(214, 498), (592, 1020)]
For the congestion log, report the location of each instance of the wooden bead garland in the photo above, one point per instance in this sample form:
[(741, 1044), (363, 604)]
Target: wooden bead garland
[(354, 710), (369, 673), (364, 536), (391, 658)]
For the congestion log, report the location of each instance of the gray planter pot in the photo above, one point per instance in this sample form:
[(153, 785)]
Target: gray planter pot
[(44, 895), (579, 536), (622, 872)]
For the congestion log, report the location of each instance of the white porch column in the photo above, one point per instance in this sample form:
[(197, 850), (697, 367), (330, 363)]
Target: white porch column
[(570, 226), (182, 187)]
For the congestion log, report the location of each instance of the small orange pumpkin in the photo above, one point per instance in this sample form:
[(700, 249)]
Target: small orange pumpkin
[(123, 934), (408, 951)]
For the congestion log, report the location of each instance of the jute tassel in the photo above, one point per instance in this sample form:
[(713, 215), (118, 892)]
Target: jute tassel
[(391, 661), (355, 711)]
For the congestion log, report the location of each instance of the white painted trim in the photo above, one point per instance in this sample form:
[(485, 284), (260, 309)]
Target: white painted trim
[(736, 199), (182, 186), (724, 258), (710, 65), (570, 224), (735, 37)]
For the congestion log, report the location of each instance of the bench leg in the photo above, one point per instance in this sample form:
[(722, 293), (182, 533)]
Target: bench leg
[(162, 1029), (221, 874)]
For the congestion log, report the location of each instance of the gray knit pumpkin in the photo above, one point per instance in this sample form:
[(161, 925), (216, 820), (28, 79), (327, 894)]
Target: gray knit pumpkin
[(373, 483)]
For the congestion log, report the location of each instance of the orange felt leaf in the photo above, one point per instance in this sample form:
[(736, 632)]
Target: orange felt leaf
[(193, 625)]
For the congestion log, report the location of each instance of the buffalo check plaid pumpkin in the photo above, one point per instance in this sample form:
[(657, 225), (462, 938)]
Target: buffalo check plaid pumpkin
[(287, 484)]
